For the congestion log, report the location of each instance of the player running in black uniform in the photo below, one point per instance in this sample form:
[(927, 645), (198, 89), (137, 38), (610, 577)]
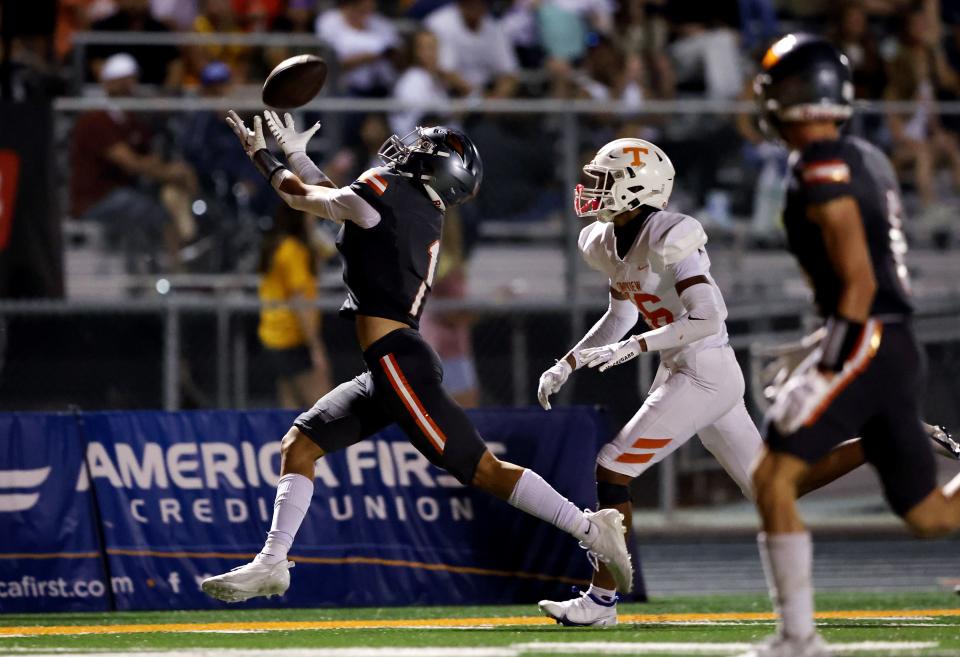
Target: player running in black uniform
[(843, 220), (390, 242)]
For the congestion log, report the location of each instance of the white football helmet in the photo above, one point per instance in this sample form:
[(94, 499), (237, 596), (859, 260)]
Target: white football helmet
[(626, 174)]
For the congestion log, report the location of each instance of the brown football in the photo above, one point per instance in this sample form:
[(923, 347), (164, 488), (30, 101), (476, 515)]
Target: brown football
[(294, 81)]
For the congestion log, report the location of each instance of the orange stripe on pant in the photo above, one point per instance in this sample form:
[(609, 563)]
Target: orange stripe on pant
[(419, 414), (869, 343), (651, 443), (635, 458)]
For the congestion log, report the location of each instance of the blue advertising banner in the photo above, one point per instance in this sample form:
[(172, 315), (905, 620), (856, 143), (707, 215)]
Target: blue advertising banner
[(50, 559), (185, 495)]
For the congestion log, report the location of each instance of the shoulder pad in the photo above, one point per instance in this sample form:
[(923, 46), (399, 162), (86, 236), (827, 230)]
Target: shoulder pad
[(674, 237), (824, 162), (591, 246)]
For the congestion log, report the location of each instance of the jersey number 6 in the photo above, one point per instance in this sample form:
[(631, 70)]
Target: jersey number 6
[(434, 251), (656, 317)]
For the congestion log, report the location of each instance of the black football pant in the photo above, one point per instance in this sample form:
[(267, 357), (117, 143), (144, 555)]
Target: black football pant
[(881, 404), (403, 384)]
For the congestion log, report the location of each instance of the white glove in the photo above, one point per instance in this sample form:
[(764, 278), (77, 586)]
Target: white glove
[(799, 398), (287, 136), (252, 140), (552, 380), (612, 354)]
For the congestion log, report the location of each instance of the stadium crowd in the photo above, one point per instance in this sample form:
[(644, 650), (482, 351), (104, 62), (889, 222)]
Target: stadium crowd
[(629, 51)]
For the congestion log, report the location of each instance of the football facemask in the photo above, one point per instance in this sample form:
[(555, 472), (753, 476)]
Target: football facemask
[(396, 150)]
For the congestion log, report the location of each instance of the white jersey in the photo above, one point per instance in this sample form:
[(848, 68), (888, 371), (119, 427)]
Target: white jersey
[(699, 387), (669, 248)]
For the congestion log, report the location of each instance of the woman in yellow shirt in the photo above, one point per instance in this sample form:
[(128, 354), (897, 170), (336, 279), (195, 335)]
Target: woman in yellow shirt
[(289, 323)]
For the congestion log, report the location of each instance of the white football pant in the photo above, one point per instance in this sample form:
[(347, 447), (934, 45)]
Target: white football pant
[(702, 393)]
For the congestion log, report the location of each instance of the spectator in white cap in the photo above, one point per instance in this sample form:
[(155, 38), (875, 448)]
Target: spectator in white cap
[(119, 75), (142, 199)]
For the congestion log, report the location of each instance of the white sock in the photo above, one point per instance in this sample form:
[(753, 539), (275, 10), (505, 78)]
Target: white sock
[(538, 498), (607, 595), (788, 564), (294, 492)]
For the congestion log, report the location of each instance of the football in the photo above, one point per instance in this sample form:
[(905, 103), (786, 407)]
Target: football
[(294, 81)]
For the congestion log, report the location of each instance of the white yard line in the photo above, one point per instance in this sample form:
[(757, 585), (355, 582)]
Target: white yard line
[(624, 648), (514, 650), (456, 651)]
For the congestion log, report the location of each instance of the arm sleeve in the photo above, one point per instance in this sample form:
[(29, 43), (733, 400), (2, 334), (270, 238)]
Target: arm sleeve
[(704, 318), (621, 316), (335, 203), (306, 170)]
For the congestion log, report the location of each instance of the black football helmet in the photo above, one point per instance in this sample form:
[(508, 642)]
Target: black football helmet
[(803, 78), (443, 158)]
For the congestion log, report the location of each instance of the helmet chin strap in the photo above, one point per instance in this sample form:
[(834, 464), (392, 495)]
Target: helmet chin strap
[(607, 216), (437, 201)]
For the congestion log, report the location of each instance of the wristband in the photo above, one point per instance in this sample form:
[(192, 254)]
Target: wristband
[(843, 336), (266, 163)]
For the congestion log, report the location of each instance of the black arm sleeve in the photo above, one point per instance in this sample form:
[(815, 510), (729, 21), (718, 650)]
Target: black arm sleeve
[(267, 164)]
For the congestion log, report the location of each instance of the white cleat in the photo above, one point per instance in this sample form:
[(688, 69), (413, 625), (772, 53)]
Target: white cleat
[(783, 646), (585, 611), (606, 542), (251, 580)]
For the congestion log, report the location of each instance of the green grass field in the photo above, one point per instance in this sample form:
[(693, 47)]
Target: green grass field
[(926, 624)]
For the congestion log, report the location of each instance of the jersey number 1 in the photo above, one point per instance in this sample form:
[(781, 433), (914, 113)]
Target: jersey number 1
[(434, 251)]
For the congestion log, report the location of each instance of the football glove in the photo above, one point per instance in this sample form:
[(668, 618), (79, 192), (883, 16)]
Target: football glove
[(252, 140), (551, 381), (285, 132), (609, 355), (798, 399)]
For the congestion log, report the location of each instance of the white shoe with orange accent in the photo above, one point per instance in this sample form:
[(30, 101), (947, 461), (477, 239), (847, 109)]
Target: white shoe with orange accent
[(251, 580), (585, 611), (606, 541)]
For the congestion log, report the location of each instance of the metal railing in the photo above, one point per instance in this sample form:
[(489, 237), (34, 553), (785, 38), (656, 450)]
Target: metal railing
[(938, 322)]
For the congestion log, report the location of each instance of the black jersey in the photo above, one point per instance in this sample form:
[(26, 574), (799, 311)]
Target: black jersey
[(849, 166), (388, 268)]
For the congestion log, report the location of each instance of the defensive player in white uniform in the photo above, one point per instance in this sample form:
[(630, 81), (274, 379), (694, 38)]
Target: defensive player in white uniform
[(658, 269)]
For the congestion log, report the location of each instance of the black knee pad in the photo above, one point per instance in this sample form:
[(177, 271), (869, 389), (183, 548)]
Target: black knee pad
[(612, 494)]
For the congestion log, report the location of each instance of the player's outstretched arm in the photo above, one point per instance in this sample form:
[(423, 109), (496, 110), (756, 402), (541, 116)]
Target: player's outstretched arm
[(704, 317), (621, 316), (294, 145), (336, 204)]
